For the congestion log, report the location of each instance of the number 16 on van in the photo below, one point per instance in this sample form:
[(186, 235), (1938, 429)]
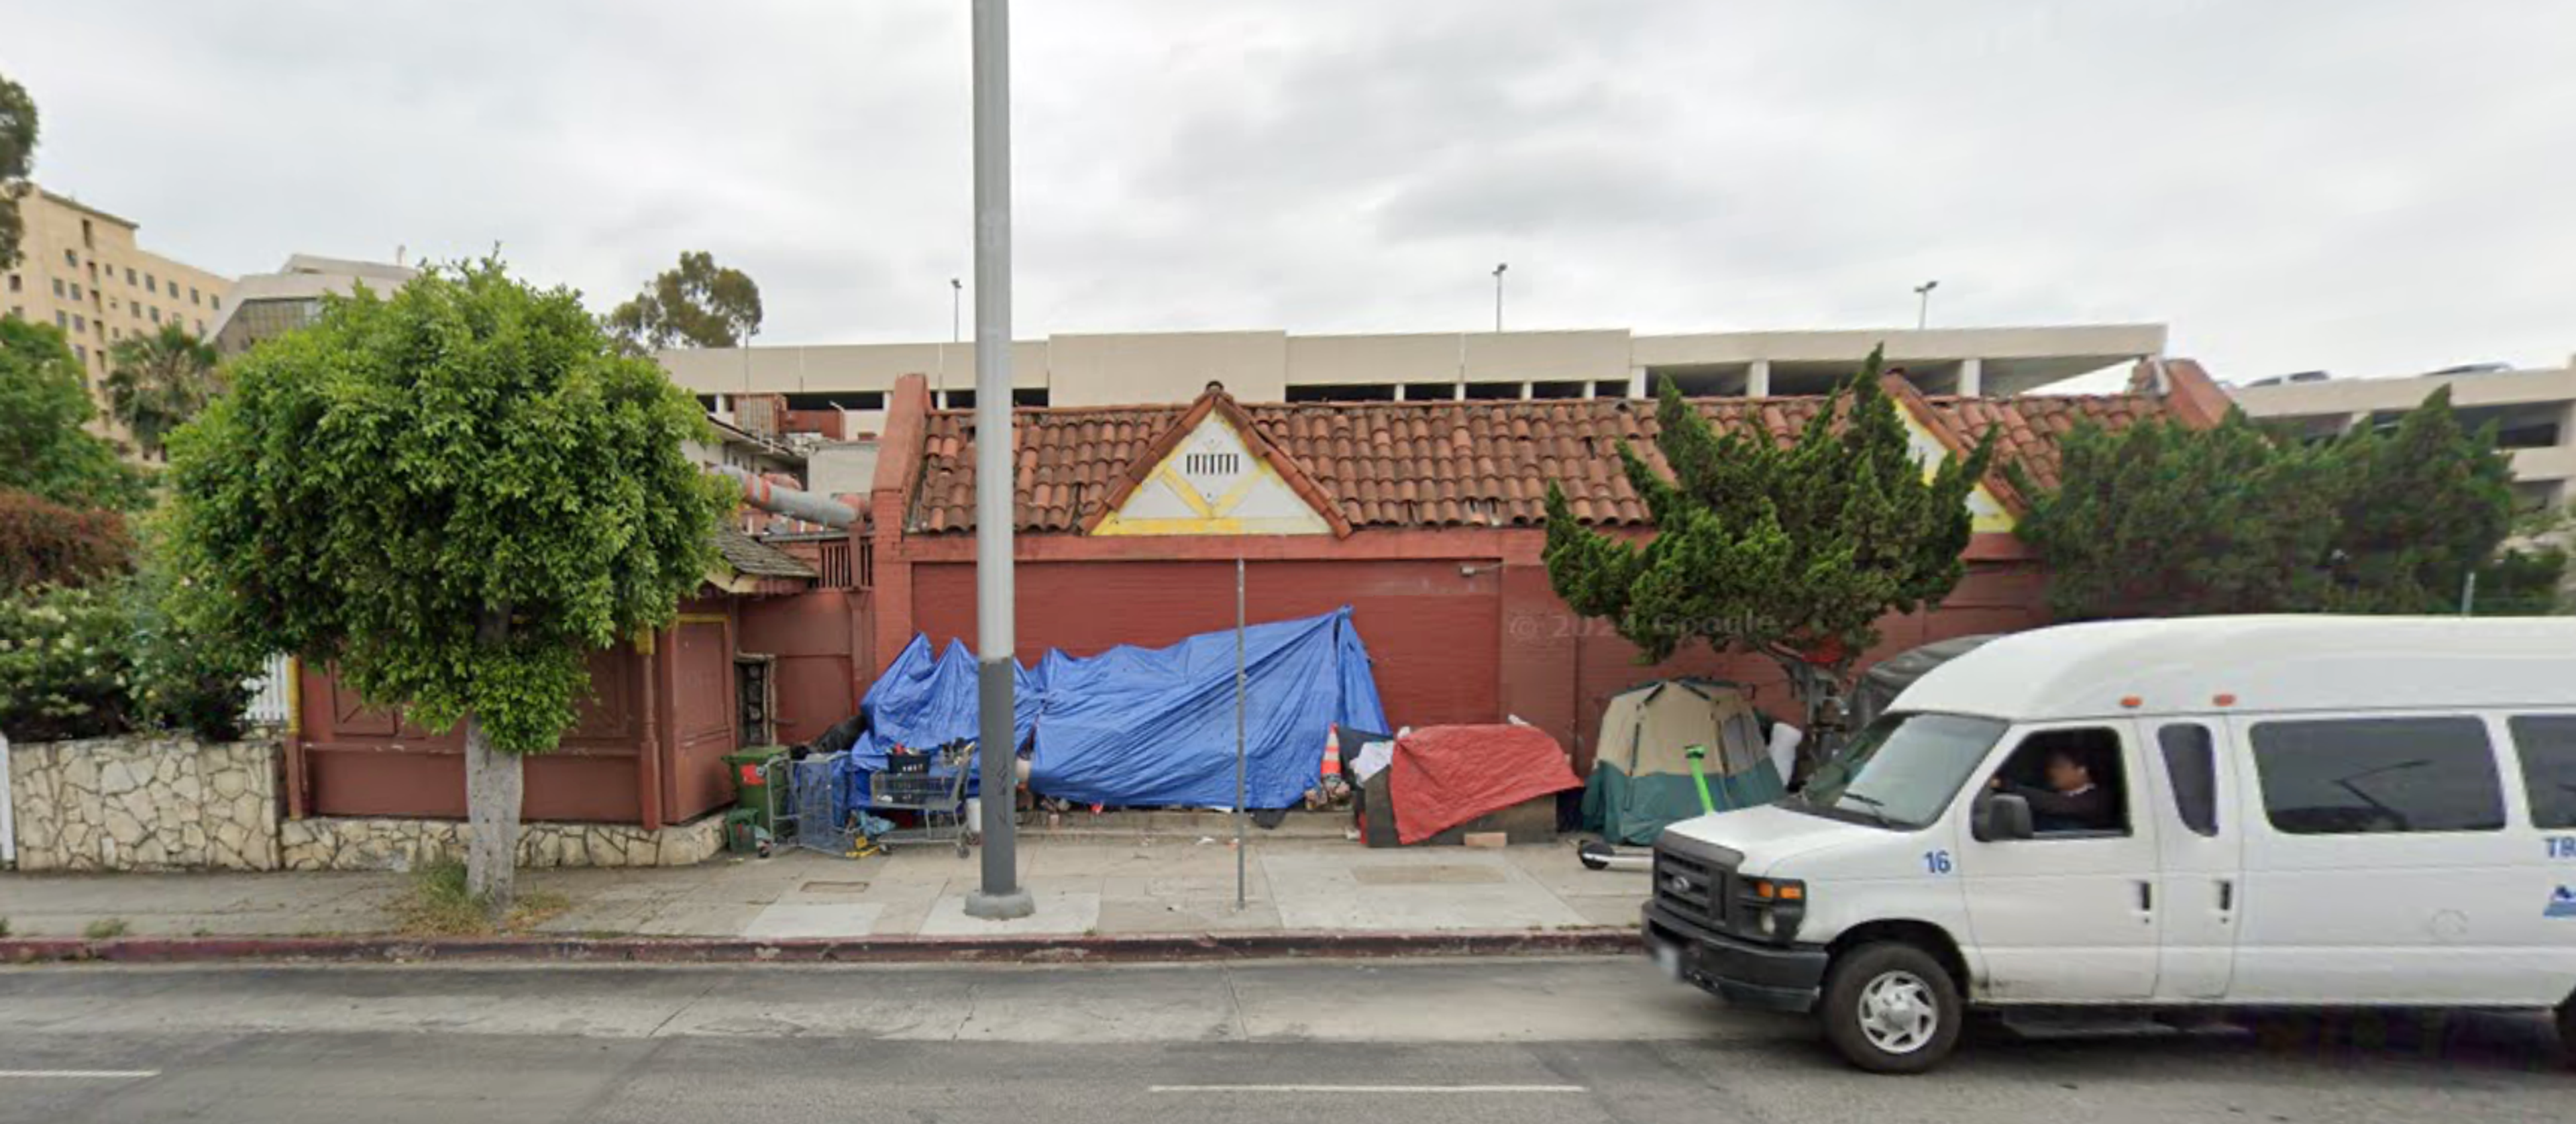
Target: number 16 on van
[(2561, 846)]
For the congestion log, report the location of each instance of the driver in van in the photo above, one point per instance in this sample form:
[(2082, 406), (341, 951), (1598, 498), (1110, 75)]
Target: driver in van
[(2071, 802)]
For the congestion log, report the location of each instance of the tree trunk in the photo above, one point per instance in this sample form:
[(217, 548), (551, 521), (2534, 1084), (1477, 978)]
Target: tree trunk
[(1824, 693), (492, 787), (493, 784)]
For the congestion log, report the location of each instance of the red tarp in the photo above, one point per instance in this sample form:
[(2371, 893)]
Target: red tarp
[(1443, 776)]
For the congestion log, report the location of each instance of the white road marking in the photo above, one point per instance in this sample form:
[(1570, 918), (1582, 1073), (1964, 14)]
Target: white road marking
[(1364, 1089), (80, 1074)]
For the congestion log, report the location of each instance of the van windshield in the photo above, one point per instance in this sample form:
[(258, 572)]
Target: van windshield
[(1901, 771)]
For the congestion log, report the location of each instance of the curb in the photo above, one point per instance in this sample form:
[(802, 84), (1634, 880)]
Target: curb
[(1034, 949)]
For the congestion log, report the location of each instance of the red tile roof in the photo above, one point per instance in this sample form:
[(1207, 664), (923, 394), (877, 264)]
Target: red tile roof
[(1427, 464)]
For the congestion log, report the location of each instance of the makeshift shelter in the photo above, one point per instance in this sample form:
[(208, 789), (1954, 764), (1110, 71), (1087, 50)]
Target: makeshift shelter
[(1444, 776), (1889, 677), (1140, 727), (1641, 779)]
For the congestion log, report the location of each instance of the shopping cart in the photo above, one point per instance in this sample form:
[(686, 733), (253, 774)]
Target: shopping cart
[(932, 788)]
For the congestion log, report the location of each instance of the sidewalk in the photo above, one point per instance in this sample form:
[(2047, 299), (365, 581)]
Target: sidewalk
[(1146, 886)]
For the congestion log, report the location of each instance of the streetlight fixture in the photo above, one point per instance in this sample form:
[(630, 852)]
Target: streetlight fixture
[(1923, 303), (1499, 267)]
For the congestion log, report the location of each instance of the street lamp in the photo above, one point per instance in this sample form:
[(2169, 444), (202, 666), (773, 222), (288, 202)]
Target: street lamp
[(1499, 267), (956, 298), (1923, 304)]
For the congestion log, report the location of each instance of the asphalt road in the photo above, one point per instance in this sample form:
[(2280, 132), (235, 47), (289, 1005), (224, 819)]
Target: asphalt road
[(1423, 1042)]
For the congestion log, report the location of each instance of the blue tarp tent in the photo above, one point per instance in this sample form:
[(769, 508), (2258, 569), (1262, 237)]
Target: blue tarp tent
[(1140, 727)]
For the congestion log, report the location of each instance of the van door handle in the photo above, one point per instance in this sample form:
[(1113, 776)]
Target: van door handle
[(2226, 895), (2146, 895)]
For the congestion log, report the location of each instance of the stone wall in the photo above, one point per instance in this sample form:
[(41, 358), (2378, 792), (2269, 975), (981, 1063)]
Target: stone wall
[(144, 803), (173, 803), (396, 844)]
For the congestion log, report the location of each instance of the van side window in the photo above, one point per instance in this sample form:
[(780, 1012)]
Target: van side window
[(2347, 776), (2548, 748), (2191, 761), (2073, 781)]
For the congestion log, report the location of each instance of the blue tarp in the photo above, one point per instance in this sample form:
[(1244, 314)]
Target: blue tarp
[(1138, 727)]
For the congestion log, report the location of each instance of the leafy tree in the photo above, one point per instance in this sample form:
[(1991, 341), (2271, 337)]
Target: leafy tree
[(2161, 518), (46, 543), (450, 496), (44, 403), (699, 304), (2421, 505), (1791, 552), (157, 382), (17, 157)]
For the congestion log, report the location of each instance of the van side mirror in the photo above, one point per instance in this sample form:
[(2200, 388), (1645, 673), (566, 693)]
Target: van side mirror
[(2000, 815)]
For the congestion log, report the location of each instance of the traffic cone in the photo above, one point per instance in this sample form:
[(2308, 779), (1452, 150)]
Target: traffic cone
[(1333, 751)]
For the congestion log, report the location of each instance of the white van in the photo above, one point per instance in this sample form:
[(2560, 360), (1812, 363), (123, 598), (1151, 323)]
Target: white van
[(2282, 812)]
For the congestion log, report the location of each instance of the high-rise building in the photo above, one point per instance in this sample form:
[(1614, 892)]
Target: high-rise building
[(271, 304), (80, 269)]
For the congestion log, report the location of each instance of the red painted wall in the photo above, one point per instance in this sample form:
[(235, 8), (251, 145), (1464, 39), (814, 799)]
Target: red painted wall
[(1429, 629), (821, 640)]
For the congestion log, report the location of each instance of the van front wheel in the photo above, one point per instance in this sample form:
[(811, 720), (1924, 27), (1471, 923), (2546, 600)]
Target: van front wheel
[(2567, 1031), (1891, 1008)]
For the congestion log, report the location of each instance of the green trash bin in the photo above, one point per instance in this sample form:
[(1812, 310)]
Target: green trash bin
[(751, 783)]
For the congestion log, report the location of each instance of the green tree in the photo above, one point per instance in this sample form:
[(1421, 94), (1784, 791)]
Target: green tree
[(17, 158), (1790, 552), (699, 304), (450, 497), (2162, 518), (44, 407), (2421, 505), (157, 382)]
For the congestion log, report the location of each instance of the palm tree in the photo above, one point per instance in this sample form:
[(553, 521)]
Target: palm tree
[(156, 383)]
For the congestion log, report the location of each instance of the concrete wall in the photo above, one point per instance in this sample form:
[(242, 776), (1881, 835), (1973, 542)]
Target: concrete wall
[(173, 803), (144, 803), (1148, 367)]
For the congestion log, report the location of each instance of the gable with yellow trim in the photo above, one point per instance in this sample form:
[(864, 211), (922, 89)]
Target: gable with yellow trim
[(1211, 483), (1987, 514)]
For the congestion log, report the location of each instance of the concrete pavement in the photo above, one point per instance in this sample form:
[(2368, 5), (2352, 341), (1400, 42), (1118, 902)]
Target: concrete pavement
[(1413, 1042), (1148, 885)]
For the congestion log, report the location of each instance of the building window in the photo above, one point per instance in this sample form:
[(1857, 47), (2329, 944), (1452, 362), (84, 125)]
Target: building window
[(58, 288), (201, 327), (81, 350), (71, 259), (216, 303), (192, 295), (16, 283), (1031, 396), (129, 275), (93, 271), (1382, 392), (89, 239), (76, 294), (62, 319), (149, 285), (2345, 776), (156, 316)]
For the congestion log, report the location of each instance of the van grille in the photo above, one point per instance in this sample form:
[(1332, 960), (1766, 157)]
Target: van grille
[(1693, 885)]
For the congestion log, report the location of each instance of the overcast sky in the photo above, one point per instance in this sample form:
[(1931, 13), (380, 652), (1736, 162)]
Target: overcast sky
[(2370, 186)]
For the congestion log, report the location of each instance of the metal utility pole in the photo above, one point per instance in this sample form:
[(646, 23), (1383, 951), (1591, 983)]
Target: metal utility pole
[(1923, 303), (1499, 267), (956, 298), (1239, 844), (997, 741)]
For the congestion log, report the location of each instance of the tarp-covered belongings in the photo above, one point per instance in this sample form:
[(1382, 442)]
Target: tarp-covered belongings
[(1641, 779), (1889, 677), (1139, 727), (1443, 776), (1154, 727)]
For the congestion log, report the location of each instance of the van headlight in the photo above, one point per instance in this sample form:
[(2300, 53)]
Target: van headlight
[(1774, 907)]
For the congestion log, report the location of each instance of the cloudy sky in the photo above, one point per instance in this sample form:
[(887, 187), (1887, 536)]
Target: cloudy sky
[(2370, 186)]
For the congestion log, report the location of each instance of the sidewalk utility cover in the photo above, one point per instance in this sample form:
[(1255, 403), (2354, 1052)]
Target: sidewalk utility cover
[(1148, 727), (1443, 776)]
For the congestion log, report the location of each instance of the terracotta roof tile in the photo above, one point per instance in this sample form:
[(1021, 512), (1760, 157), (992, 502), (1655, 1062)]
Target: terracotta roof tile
[(1420, 463)]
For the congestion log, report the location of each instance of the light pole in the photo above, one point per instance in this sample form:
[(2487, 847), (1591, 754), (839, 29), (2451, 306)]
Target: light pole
[(1923, 303), (956, 297), (997, 737), (1499, 267)]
